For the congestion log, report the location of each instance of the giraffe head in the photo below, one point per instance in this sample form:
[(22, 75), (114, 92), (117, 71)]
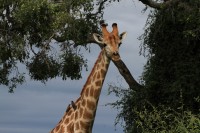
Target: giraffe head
[(110, 41)]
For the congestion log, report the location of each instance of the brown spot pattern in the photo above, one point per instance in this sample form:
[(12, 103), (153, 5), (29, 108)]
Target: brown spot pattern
[(81, 112), (84, 125), (83, 102), (102, 72), (87, 115), (92, 91), (76, 115), (98, 83), (67, 121), (98, 75), (91, 105), (69, 113), (96, 93)]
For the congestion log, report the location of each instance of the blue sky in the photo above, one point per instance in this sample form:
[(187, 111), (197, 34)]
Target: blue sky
[(37, 107)]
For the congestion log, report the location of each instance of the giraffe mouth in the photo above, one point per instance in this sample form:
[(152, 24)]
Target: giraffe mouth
[(115, 53), (115, 56)]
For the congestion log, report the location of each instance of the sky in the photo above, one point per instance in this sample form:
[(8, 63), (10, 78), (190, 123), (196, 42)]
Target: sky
[(35, 107)]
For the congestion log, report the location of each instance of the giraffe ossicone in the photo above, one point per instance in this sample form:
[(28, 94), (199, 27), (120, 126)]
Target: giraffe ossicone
[(79, 116)]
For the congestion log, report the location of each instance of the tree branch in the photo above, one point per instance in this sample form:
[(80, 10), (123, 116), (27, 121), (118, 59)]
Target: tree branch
[(158, 5), (124, 71), (101, 6)]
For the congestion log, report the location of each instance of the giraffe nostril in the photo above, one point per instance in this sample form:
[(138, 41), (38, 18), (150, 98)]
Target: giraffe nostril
[(115, 53)]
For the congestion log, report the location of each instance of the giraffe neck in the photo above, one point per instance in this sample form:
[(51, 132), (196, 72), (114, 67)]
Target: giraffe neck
[(96, 77), (80, 116), (92, 88)]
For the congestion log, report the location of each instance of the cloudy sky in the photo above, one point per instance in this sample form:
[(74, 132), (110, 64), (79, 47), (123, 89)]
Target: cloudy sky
[(37, 108)]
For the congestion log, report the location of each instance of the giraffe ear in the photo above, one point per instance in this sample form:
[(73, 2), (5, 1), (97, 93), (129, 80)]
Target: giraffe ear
[(122, 35), (98, 38)]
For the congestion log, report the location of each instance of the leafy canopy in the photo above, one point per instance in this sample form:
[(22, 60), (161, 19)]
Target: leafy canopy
[(42, 36), (169, 101), (173, 43)]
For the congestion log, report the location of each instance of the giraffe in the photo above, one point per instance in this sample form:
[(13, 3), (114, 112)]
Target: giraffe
[(79, 116)]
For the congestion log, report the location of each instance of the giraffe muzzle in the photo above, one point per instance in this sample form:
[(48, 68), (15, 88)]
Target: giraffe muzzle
[(115, 56), (116, 53)]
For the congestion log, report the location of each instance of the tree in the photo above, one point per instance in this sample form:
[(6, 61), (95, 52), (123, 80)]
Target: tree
[(44, 36), (172, 40), (171, 75)]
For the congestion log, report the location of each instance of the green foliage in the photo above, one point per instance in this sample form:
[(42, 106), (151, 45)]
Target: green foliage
[(43, 67), (169, 102), (172, 41), (43, 35), (166, 120), (35, 19), (137, 115), (70, 59)]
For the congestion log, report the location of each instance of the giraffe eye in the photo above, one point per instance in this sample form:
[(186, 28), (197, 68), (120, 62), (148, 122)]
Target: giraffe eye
[(104, 45), (120, 44)]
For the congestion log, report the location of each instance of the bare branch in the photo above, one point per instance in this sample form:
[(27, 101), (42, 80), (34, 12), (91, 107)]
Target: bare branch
[(158, 5), (124, 71)]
